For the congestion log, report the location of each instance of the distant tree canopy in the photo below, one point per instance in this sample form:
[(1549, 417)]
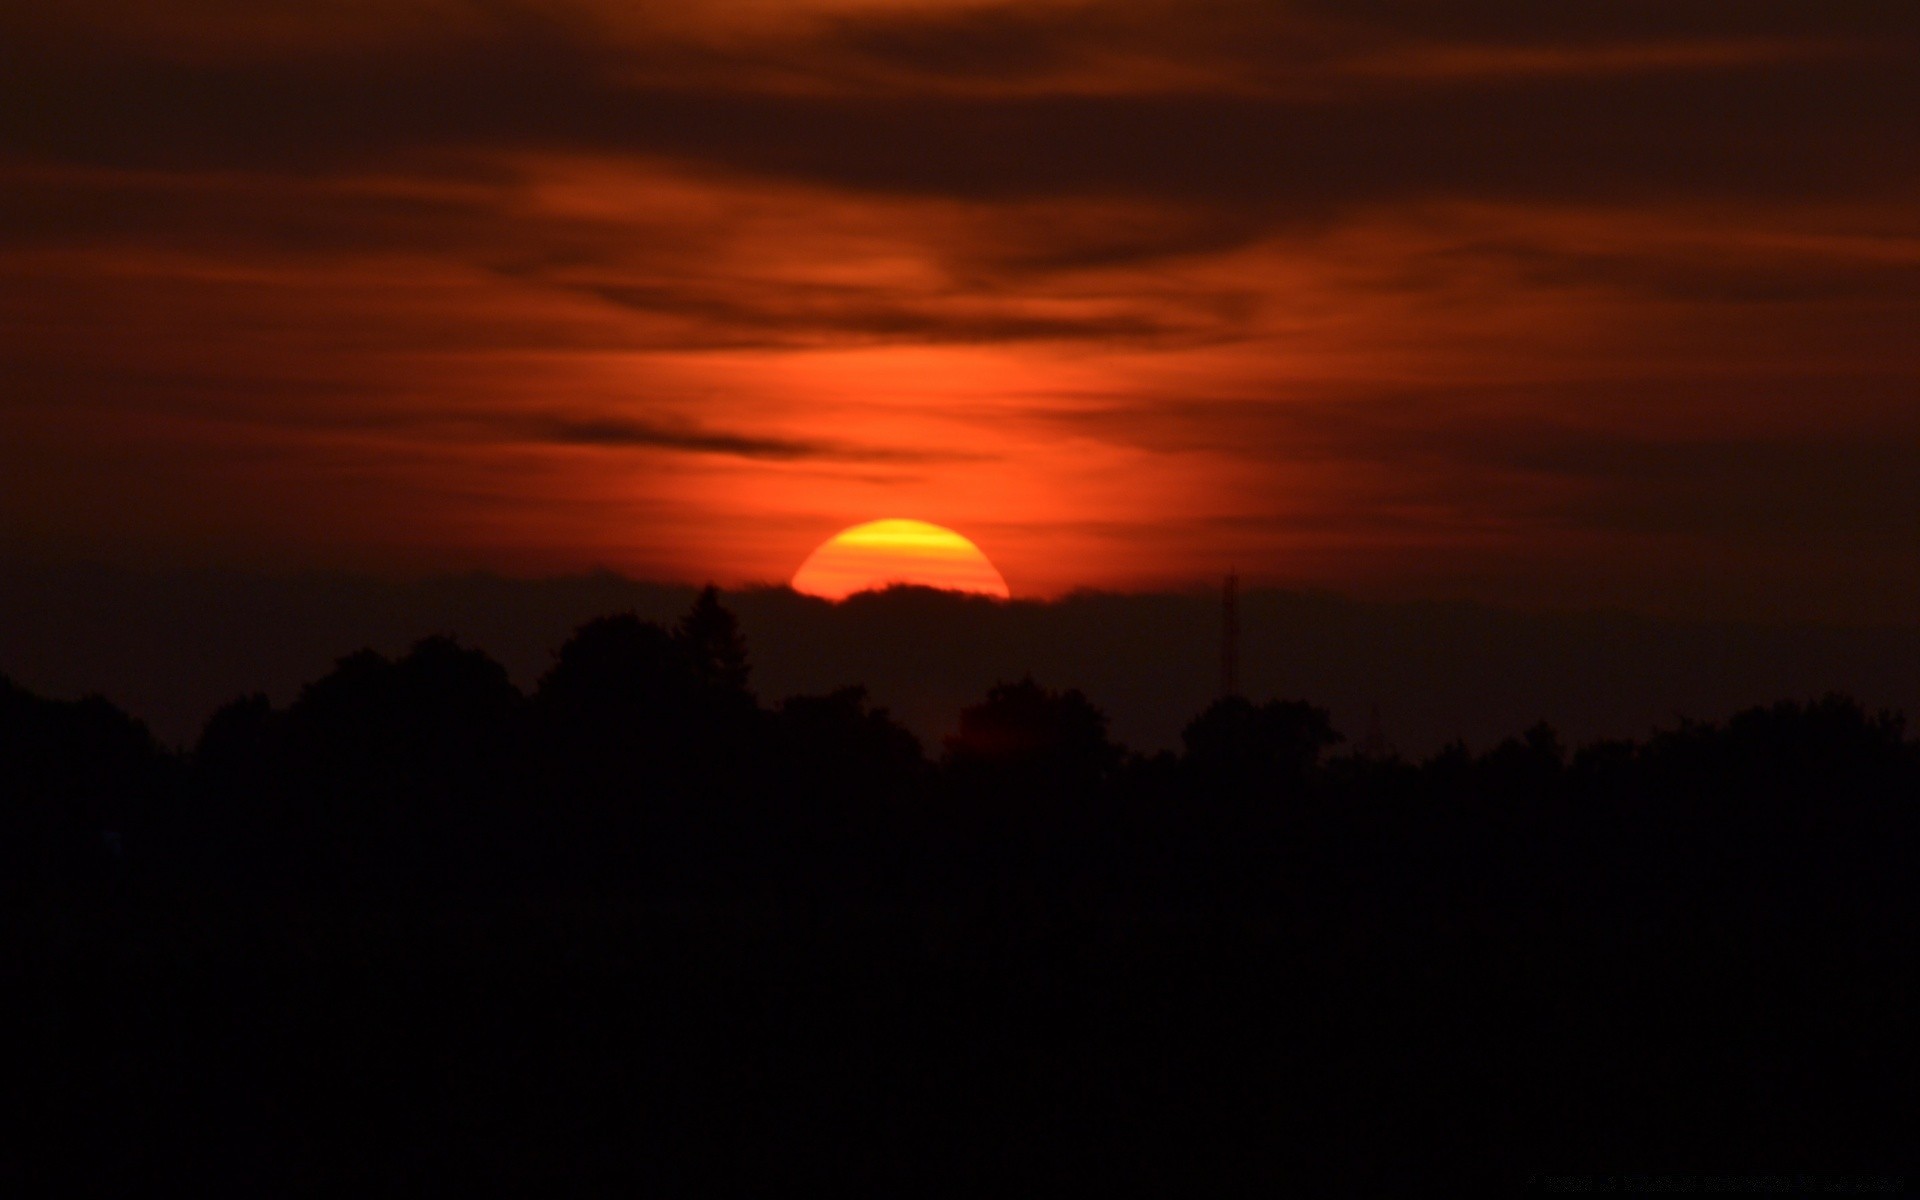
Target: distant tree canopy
[(622, 667), (712, 637), (638, 914), (1035, 735), (842, 742), (74, 777), (646, 736), (1238, 746), (436, 709)]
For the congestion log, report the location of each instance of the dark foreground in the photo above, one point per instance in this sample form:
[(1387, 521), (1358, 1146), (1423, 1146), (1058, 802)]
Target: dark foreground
[(418, 930)]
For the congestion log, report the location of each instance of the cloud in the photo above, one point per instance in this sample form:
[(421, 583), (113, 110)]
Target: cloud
[(620, 433), (1350, 292), (1721, 117), (800, 314)]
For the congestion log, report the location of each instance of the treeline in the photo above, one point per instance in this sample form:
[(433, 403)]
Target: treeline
[(637, 925)]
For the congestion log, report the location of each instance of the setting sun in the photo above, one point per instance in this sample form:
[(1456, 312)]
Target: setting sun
[(879, 554)]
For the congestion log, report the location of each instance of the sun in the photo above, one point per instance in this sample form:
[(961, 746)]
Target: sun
[(881, 553)]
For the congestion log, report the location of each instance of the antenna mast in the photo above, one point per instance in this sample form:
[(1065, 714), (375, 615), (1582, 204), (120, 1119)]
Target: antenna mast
[(1230, 636)]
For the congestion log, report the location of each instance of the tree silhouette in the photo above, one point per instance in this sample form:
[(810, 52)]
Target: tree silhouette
[(1039, 737), (840, 744), (415, 899), (1241, 748), (651, 746), (621, 669), (711, 634), (387, 769), (75, 778), (1528, 766)]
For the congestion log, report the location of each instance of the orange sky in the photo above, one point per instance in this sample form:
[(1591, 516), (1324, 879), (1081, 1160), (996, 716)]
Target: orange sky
[(1543, 307)]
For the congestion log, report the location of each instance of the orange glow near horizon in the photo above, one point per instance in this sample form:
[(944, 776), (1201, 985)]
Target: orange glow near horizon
[(881, 554), (1355, 301)]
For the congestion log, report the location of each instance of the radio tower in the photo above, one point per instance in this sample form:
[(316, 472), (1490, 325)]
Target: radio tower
[(1230, 637)]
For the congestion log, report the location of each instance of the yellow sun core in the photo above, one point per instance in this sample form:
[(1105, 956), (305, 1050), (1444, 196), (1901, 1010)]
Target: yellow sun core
[(883, 553)]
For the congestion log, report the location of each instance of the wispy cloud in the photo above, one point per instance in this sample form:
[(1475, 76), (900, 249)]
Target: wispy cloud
[(1332, 290), (618, 433)]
